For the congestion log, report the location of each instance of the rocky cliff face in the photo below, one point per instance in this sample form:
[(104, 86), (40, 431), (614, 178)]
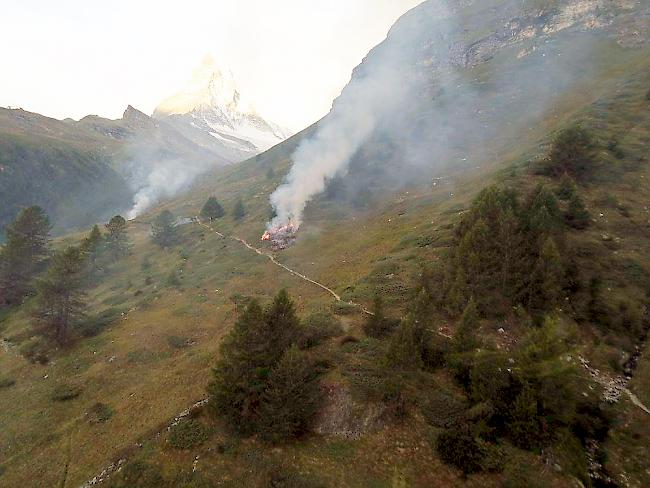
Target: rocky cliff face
[(481, 75)]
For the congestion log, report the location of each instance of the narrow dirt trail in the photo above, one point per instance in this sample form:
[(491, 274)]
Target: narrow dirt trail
[(272, 258)]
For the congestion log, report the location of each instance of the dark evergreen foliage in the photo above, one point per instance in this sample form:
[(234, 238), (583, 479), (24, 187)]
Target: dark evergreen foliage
[(378, 325), (290, 398), (256, 377), (212, 210), (117, 241), (459, 448), (23, 255), (492, 263), (573, 152), (577, 215), (163, 229), (403, 351), (239, 210), (61, 297)]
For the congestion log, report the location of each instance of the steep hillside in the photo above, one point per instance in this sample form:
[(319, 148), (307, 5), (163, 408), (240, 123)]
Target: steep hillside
[(83, 172), (158, 316)]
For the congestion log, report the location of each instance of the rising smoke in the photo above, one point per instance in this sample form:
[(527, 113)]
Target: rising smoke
[(417, 107), (379, 87)]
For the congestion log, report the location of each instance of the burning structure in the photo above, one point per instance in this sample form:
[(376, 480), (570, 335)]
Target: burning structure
[(281, 237)]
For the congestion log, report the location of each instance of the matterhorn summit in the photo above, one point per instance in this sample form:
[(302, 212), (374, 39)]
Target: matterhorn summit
[(228, 124)]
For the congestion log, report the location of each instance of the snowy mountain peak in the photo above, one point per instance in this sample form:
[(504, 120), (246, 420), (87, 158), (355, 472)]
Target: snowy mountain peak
[(210, 86), (212, 102)]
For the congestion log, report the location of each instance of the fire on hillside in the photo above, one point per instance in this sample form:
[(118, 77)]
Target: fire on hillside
[(281, 237)]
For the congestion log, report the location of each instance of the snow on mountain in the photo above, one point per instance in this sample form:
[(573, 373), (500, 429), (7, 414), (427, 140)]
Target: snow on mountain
[(212, 103)]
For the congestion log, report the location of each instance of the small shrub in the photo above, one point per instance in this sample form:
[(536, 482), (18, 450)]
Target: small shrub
[(64, 392), (395, 396), (318, 328), (441, 409), (36, 351), (95, 324), (188, 433), (573, 152), (457, 447), (146, 264), (172, 280), (348, 340), (99, 413), (177, 342), (7, 382), (138, 474), (342, 308)]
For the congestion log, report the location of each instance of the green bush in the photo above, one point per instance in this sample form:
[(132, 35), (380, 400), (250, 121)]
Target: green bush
[(172, 280), (457, 447), (319, 327), (177, 342), (377, 325), (573, 152), (343, 308), (64, 392), (138, 474), (95, 324), (441, 409), (7, 382), (188, 433), (99, 413), (36, 350)]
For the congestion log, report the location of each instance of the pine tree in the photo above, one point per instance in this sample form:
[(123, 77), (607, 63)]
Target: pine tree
[(466, 336), (573, 153), (239, 210), (567, 188), (22, 256), (163, 230), (291, 397), (117, 242), (282, 326), (543, 214), (547, 279), (403, 352), (212, 210), (378, 325), (240, 376), (92, 247), (577, 215), (60, 293), (248, 356)]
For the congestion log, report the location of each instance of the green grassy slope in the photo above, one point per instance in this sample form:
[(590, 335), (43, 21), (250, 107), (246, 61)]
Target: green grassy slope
[(137, 367)]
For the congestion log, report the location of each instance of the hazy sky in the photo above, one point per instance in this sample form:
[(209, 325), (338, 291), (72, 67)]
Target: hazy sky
[(70, 58)]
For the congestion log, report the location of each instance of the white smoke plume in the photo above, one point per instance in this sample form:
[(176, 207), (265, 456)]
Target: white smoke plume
[(425, 111), (165, 179), (353, 119), (377, 89)]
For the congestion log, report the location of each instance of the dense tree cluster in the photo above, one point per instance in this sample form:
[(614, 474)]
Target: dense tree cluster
[(58, 280), (498, 243), (262, 383)]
